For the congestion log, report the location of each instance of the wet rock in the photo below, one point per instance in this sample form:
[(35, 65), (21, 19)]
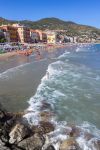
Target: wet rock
[(2, 114), (8, 120), (15, 147), (18, 133), (1, 143), (96, 144), (45, 105), (88, 136), (43, 128), (47, 127), (4, 117), (45, 116), (34, 142), (16, 115), (75, 132), (2, 146), (50, 148), (69, 144)]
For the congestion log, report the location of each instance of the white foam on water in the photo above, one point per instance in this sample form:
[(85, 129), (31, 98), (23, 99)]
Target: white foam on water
[(64, 55), (35, 102), (78, 49), (47, 91), (32, 117), (90, 128), (81, 48), (87, 145), (97, 78)]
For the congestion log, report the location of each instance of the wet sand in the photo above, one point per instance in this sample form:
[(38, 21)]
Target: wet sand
[(20, 77), (7, 55)]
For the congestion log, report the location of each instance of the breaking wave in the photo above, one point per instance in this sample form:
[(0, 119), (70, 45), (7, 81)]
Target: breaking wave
[(65, 91)]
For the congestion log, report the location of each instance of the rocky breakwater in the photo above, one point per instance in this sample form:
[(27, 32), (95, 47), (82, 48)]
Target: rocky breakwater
[(17, 134)]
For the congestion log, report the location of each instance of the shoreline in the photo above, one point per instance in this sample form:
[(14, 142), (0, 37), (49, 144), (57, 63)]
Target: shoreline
[(17, 133), (45, 135), (46, 47), (35, 49), (38, 73), (8, 55)]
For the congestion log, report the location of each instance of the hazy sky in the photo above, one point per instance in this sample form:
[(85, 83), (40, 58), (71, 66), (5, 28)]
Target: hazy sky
[(80, 11)]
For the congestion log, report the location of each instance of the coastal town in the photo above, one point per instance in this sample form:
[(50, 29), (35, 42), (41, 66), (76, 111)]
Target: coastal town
[(20, 37), (49, 75)]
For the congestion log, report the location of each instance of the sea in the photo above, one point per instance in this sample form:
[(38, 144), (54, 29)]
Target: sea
[(67, 84)]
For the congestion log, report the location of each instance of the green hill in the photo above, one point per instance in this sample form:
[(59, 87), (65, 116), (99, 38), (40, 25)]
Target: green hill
[(57, 24)]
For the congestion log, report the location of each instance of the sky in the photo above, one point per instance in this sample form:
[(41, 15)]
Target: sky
[(80, 11)]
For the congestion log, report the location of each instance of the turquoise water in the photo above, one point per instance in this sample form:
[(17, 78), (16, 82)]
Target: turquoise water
[(20, 77), (71, 87)]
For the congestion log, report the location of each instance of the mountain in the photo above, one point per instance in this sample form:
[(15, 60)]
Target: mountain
[(56, 24)]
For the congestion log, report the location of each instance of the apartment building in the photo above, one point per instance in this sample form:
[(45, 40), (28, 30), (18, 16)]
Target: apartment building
[(10, 33), (34, 35), (51, 37), (23, 33)]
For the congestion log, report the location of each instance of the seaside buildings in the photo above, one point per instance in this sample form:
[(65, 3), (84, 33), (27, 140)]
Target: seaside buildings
[(51, 37), (38, 36), (34, 35), (16, 33), (23, 33), (20, 33), (10, 33), (42, 35)]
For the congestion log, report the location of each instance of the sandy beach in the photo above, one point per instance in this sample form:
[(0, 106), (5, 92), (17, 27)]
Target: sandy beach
[(20, 52), (7, 55), (22, 87)]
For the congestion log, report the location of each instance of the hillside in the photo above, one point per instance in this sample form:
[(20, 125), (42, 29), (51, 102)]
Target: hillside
[(56, 24)]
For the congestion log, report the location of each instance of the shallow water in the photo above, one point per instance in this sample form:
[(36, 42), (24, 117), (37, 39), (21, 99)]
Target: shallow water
[(71, 88), (20, 77)]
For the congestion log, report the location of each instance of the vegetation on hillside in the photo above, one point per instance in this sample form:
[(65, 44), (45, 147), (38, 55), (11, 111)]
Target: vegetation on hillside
[(72, 29)]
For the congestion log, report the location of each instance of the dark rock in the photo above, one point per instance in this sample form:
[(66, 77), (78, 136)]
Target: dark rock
[(88, 136), (43, 128), (50, 148), (2, 114), (96, 144), (34, 142), (47, 127), (75, 132), (69, 144), (2, 146), (45, 105), (45, 116), (18, 133)]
